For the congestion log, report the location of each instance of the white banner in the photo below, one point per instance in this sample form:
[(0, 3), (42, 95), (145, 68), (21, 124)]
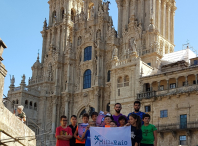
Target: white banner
[(101, 136)]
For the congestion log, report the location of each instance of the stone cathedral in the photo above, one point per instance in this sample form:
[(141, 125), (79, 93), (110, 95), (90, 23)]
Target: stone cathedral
[(86, 65)]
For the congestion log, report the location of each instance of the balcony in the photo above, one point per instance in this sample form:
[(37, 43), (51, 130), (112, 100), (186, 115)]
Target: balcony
[(175, 91), (177, 126), (146, 95)]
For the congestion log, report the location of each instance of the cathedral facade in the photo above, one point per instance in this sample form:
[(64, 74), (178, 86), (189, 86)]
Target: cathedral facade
[(86, 65)]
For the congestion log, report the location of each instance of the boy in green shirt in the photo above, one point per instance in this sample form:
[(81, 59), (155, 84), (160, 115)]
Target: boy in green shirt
[(149, 132)]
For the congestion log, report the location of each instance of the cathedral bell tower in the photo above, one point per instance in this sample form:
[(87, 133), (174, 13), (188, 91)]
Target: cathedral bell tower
[(155, 18)]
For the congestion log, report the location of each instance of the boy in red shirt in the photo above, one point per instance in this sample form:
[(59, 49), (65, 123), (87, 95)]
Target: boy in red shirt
[(63, 133)]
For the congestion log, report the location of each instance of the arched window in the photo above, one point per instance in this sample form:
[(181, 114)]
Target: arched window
[(65, 85), (30, 104), (109, 76), (126, 80), (54, 16), (83, 112), (108, 107), (120, 82), (87, 79), (26, 104), (13, 103), (87, 53), (62, 13), (35, 106), (17, 101), (72, 15), (91, 110)]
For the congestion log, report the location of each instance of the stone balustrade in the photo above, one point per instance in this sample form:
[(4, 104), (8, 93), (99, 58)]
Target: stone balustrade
[(175, 91), (177, 126)]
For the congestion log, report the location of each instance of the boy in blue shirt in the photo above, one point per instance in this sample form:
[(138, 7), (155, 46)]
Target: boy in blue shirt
[(86, 134)]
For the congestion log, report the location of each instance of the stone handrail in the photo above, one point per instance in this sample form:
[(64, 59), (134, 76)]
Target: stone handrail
[(17, 88), (12, 125)]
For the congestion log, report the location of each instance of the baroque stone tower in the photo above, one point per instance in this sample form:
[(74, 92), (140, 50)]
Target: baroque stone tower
[(151, 24)]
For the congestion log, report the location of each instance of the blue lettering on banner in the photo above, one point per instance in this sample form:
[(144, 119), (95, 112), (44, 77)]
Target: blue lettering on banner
[(103, 142)]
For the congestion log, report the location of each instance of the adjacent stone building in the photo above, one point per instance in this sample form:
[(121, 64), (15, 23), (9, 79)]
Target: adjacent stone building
[(86, 65), (12, 131)]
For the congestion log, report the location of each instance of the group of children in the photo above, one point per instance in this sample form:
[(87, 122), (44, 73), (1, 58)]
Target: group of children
[(141, 135)]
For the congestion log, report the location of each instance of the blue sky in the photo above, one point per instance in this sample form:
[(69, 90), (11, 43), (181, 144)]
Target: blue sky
[(22, 21)]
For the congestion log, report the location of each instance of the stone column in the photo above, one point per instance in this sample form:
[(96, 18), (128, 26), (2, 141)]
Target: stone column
[(172, 23), (53, 36), (54, 116), (186, 82), (58, 38), (44, 35), (150, 86), (176, 82), (120, 12), (127, 12), (56, 82), (50, 15), (167, 84), (163, 16), (159, 86), (158, 12), (66, 107), (168, 23)]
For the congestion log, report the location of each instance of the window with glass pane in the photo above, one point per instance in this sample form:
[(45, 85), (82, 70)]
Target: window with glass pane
[(87, 53), (108, 76), (149, 64), (183, 121), (161, 87), (195, 62), (182, 140), (172, 86), (163, 113), (87, 79), (147, 108)]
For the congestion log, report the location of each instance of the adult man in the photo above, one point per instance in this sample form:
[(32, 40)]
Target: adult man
[(21, 115), (137, 111), (63, 133), (118, 108)]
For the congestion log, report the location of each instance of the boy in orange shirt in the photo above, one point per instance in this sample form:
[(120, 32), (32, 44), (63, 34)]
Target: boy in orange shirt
[(79, 141)]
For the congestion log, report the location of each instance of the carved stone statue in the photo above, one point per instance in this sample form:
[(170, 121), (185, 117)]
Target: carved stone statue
[(12, 80), (98, 35), (115, 53), (92, 12), (132, 46), (45, 24), (79, 40), (106, 6), (23, 78)]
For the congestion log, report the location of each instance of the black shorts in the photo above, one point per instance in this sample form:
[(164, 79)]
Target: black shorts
[(142, 144), (79, 144)]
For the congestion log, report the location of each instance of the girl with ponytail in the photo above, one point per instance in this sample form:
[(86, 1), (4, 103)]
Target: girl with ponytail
[(136, 132)]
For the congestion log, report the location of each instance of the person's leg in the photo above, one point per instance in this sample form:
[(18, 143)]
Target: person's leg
[(142, 144)]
